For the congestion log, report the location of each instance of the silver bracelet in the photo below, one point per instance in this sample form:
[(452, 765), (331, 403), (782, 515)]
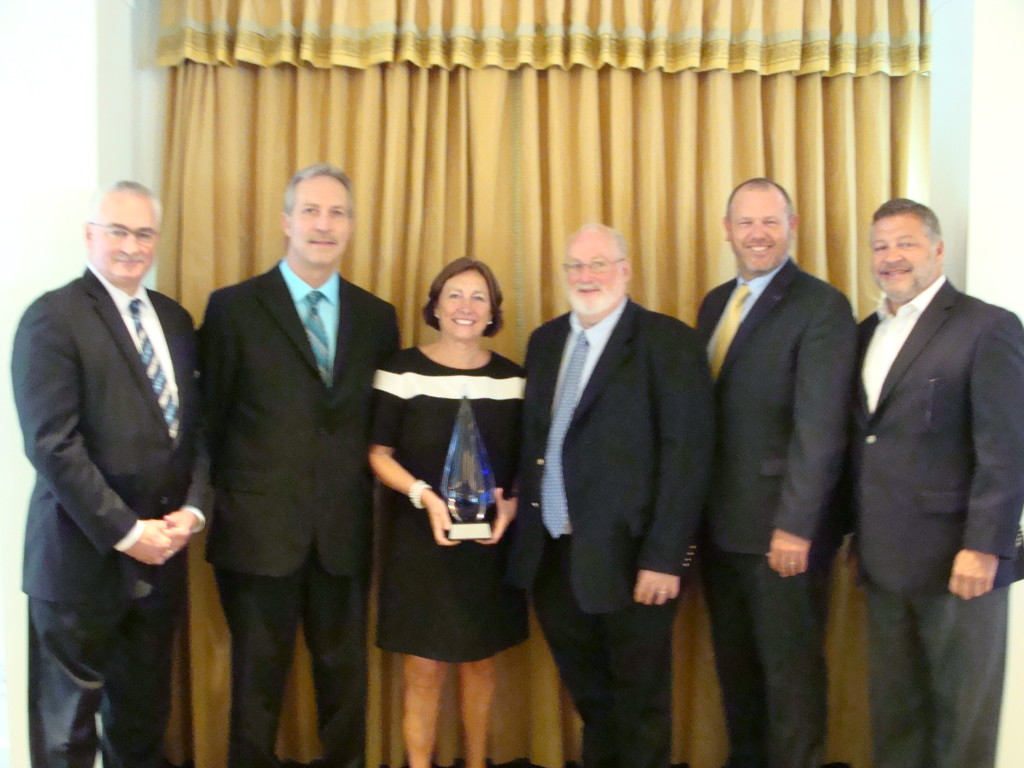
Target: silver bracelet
[(416, 493)]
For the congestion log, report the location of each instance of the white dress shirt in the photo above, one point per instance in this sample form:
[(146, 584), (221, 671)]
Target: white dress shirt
[(890, 335), (151, 324)]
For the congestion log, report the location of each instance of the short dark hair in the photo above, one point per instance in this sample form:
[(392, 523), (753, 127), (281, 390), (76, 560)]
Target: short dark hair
[(759, 182), (457, 267), (311, 172), (902, 206)]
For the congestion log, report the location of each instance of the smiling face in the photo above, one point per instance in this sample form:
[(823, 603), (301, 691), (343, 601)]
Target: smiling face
[(318, 228), (594, 296), (122, 261), (463, 308), (760, 228), (905, 258)]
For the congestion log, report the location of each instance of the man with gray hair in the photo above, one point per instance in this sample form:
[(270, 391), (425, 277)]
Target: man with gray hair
[(938, 470), (616, 449), (288, 363), (105, 386)]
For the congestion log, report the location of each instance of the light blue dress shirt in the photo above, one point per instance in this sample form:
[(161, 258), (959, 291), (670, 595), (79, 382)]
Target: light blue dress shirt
[(328, 306)]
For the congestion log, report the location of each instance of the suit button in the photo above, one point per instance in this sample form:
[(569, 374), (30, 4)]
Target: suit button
[(870, 439), (540, 462), (164, 500), (535, 504)]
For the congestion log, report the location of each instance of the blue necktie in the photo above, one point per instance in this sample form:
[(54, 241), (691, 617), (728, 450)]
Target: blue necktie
[(317, 335), (157, 378), (555, 511)]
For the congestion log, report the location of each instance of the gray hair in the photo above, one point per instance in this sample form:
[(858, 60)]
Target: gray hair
[(612, 234), (126, 188), (311, 172), (901, 206)]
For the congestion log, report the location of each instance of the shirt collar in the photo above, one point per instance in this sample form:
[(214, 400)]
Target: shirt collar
[(760, 282), (122, 299), (299, 288), (918, 304)]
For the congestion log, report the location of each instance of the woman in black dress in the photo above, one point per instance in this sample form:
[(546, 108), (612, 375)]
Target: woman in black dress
[(443, 602)]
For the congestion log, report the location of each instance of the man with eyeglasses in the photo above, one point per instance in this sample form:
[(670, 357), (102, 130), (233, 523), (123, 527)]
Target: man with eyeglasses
[(781, 345), (617, 431), (105, 386)]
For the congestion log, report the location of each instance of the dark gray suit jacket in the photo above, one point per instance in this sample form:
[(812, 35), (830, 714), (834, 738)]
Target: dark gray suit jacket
[(288, 455), (782, 405), (98, 441), (939, 465), (636, 457)]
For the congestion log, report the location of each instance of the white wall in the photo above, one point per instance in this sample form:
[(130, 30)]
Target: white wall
[(977, 190), (79, 113), (89, 110)]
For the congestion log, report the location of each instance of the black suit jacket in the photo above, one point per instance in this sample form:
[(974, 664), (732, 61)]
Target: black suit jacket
[(288, 455), (782, 405), (98, 441), (636, 456), (939, 465)]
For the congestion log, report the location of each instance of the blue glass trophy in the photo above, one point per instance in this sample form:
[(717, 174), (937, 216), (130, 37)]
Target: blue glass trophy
[(468, 482)]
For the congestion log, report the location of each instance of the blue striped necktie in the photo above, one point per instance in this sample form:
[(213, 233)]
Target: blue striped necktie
[(157, 378), (317, 335), (555, 511)]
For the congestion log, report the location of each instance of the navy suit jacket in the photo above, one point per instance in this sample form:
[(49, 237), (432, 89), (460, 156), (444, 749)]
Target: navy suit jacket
[(98, 441), (939, 465), (288, 454), (636, 456), (782, 406)]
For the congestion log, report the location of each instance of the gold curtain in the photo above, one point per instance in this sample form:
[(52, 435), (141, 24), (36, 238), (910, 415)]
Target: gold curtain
[(451, 157), (766, 36)]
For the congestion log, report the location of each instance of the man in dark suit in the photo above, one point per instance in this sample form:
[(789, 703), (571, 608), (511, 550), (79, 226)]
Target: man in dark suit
[(617, 430), (105, 386), (781, 345), (939, 483), (288, 363)]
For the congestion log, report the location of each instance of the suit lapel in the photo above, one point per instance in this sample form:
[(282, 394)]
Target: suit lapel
[(344, 336), (864, 333), (711, 313), (273, 294), (770, 297), (111, 318), (933, 317), (547, 364), (181, 360), (618, 348)]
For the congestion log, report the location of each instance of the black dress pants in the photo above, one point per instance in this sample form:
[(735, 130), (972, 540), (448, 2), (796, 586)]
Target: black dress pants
[(616, 666), (111, 658), (263, 614), (768, 636)]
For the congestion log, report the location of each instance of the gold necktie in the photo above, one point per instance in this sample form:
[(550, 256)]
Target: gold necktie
[(728, 327)]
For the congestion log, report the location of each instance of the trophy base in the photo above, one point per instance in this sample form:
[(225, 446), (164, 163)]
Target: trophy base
[(469, 531)]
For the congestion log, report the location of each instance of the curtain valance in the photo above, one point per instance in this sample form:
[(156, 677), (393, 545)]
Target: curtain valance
[(831, 37)]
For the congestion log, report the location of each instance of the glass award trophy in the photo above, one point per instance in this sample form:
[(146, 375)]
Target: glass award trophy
[(468, 482)]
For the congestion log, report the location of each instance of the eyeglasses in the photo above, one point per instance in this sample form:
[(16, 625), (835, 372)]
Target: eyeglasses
[(119, 233), (596, 267)]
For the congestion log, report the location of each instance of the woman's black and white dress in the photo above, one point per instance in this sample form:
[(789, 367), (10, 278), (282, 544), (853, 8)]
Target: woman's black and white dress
[(444, 603)]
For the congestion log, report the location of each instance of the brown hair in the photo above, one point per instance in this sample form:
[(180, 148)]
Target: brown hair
[(901, 206), (457, 267)]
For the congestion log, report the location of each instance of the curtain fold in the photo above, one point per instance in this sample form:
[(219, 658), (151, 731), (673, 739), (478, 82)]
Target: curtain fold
[(502, 166), (764, 36), (494, 129)]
